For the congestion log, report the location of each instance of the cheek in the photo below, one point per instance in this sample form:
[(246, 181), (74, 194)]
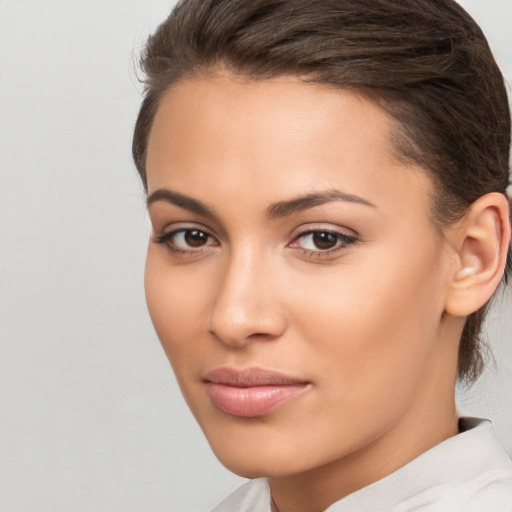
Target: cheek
[(377, 322), (176, 302)]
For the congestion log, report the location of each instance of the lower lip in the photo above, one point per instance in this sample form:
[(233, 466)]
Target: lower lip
[(250, 402)]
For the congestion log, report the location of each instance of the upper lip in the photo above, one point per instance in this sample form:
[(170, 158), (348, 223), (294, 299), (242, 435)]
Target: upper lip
[(250, 377)]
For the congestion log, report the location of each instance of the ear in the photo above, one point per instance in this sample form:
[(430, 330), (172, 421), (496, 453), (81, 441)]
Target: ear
[(480, 242)]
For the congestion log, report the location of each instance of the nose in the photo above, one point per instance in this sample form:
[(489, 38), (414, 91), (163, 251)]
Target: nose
[(246, 305)]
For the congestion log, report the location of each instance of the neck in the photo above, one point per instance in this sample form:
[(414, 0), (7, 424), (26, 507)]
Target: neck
[(315, 490)]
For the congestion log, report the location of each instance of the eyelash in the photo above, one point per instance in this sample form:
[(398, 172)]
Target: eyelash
[(343, 241), (166, 239)]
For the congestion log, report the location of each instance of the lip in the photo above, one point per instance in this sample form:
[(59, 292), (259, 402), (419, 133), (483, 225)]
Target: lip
[(251, 392)]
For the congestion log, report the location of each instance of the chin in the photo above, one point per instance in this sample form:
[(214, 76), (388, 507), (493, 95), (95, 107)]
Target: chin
[(260, 456), (258, 468)]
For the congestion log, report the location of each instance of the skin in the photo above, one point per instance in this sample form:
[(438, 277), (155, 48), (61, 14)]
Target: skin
[(365, 323)]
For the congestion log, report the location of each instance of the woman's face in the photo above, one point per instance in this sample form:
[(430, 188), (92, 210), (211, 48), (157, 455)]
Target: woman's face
[(293, 277)]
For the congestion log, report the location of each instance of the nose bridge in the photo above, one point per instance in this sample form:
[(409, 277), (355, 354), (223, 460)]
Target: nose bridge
[(246, 303)]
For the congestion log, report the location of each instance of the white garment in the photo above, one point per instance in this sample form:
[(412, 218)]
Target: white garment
[(470, 472)]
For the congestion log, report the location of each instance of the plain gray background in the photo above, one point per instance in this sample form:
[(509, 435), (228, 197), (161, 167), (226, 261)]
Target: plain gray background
[(91, 419)]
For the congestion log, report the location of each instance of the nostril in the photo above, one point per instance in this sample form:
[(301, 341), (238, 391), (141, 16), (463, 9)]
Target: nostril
[(261, 336), (259, 328)]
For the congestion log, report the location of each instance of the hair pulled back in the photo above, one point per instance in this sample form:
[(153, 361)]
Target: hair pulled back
[(425, 62)]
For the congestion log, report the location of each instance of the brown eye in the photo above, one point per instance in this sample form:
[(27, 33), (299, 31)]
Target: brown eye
[(186, 240), (195, 238), (324, 240), (321, 241)]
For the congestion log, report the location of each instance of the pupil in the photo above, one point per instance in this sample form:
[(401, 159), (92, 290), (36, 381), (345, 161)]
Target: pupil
[(195, 238), (324, 240)]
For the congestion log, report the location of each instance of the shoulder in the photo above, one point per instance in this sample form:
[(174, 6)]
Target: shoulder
[(254, 496), (470, 472), (491, 490), (481, 469)]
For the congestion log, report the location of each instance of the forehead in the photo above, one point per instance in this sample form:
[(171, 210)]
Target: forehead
[(275, 111), (275, 138)]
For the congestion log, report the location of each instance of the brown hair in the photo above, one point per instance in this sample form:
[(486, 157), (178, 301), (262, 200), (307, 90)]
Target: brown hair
[(425, 62)]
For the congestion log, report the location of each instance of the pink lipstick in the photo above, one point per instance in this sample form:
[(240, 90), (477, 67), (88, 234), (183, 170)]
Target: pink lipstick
[(252, 392)]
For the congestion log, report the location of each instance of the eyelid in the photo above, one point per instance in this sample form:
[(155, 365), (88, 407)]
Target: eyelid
[(345, 240), (164, 237), (183, 226), (315, 227)]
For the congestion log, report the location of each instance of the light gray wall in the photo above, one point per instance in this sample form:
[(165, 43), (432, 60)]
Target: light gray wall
[(90, 416)]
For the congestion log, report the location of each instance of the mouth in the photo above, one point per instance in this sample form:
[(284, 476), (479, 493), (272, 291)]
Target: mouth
[(251, 392)]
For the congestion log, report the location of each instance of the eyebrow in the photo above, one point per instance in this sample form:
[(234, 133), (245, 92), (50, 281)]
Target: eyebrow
[(274, 211), (188, 203), (284, 208)]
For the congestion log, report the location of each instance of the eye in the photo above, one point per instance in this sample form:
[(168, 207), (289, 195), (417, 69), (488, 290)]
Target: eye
[(321, 241), (186, 240), (191, 238)]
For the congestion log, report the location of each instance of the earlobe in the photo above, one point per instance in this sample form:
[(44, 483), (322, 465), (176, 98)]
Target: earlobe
[(481, 242)]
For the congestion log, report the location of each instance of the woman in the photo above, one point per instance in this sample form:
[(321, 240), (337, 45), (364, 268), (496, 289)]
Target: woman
[(327, 186)]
